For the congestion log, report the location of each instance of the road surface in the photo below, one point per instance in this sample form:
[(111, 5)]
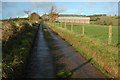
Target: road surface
[(73, 61), (41, 63)]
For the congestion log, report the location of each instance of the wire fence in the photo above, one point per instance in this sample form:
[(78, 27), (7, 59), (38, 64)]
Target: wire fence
[(105, 33)]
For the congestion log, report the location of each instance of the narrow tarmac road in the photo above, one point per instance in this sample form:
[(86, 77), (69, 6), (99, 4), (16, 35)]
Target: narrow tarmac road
[(40, 64), (73, 61)]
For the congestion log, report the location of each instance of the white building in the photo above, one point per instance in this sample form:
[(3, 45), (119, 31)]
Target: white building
[(73, 19)]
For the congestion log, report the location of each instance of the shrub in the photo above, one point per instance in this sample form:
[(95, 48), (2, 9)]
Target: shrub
[(104, 21)]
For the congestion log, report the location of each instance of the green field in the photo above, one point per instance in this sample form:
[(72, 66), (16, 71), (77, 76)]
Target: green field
[(99, 32)]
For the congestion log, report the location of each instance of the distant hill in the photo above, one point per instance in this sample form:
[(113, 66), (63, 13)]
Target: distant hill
[(97, 15)]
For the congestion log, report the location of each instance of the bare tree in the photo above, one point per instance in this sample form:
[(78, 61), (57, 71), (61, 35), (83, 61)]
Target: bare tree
[(54, 12), (55, 9), (27, 12)]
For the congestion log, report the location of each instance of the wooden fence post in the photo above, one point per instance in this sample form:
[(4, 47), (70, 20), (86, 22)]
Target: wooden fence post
[(83, 30), (110, 34)]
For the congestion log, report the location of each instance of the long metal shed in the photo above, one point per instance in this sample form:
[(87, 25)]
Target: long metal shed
[(73, 19)]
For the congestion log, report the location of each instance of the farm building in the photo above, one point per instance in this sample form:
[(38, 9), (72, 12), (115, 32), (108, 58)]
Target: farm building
[(73, 19), (34, 16), (45, 17)]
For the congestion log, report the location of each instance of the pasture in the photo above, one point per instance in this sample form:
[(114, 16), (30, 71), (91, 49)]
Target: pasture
[(99, 32)]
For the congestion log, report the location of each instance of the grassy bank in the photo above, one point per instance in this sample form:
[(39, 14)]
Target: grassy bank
[(16, 48), (105, 57)]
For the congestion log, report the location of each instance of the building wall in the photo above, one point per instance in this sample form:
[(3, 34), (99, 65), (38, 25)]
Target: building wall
[(85, 20)]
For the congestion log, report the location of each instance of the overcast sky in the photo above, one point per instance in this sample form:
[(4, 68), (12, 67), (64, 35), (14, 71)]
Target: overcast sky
[(16, 9)]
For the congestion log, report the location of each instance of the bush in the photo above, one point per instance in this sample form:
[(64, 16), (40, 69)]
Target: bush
[(107, 20), (104, 21)]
